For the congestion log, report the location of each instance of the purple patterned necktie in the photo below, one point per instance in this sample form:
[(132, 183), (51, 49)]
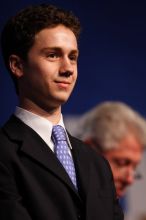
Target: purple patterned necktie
[(62, 152)]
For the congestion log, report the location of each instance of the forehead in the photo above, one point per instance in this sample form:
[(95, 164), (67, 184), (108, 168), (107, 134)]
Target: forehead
[(128, 148), (59, 36)]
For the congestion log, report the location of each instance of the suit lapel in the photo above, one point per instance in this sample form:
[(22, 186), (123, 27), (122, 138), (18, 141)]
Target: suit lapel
[(35, 148)]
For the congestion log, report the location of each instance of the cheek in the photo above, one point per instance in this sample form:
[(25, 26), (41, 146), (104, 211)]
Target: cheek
[(75, 75), (116, 173), (42, 67)]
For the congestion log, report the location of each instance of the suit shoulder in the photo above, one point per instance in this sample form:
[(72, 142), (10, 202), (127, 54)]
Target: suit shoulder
[(96, 159), (80, 145)]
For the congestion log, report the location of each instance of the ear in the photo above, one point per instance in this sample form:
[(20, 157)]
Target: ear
[(16, 65)]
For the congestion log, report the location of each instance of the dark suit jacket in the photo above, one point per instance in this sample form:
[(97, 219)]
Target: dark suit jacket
[(34, 185)]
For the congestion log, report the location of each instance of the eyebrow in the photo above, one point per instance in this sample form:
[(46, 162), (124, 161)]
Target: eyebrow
[(59, 49)]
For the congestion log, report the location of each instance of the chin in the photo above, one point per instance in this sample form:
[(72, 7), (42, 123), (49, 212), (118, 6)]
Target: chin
[(61, 101), (63, 98), (120, 193)]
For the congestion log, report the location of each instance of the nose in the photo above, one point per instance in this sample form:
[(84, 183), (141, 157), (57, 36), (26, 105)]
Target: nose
[(129, 176), (130, 179), (66, 67)]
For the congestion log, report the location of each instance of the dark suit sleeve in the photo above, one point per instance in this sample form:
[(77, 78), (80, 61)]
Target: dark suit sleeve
[(11, 206)]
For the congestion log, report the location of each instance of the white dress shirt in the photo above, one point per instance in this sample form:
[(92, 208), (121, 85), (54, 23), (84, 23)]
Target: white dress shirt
[(40, 125)]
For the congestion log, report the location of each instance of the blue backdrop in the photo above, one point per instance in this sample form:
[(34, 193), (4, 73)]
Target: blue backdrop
[(112, 62)]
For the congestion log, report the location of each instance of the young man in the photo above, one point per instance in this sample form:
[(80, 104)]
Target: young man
[(40, 49), (118, 132)]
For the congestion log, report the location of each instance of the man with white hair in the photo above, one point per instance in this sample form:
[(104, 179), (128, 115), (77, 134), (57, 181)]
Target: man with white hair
[(117, 132)]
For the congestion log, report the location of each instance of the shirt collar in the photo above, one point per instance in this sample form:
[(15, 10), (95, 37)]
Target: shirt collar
[(39, 124)]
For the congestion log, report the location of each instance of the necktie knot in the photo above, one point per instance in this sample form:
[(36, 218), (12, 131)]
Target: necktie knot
[(58, 133)]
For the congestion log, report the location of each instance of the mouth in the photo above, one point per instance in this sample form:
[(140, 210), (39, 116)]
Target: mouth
[(63, 84), (121, 192)]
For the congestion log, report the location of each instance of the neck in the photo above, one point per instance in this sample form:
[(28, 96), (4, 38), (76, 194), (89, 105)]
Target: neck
[(53, 114)]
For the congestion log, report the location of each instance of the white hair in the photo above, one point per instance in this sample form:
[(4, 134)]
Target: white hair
[(109, 122)]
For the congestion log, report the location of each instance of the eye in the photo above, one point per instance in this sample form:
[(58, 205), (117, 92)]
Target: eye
[(52, 55), (119, 162), (73, 57)]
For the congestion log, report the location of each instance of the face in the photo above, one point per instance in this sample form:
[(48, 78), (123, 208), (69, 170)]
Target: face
[(124, 161), (48, 76)]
